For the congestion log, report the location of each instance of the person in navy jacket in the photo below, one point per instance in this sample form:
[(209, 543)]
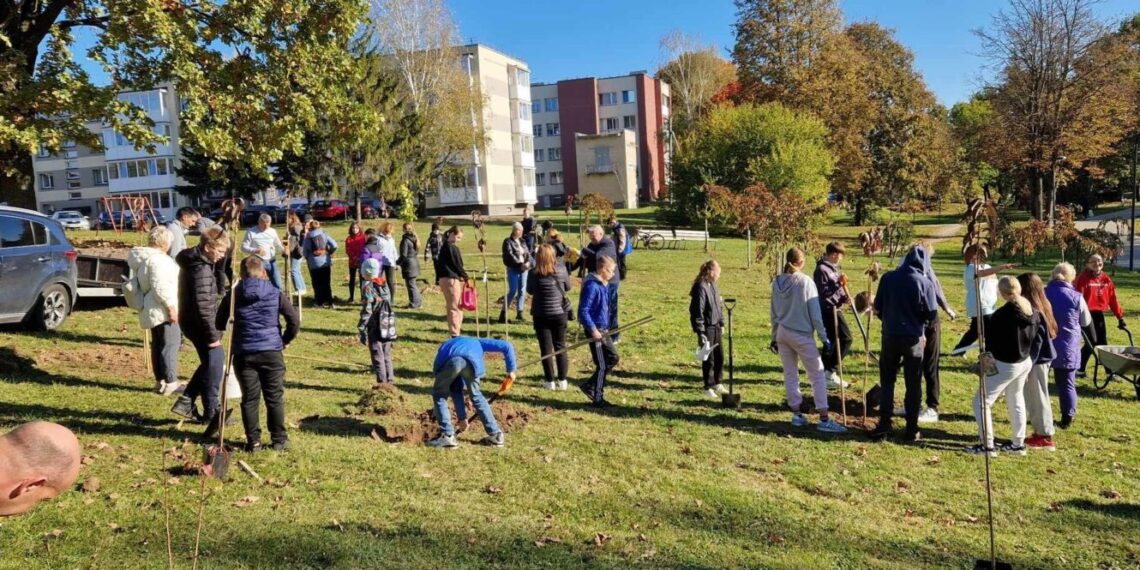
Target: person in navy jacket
[(458, 362), (594, 314)]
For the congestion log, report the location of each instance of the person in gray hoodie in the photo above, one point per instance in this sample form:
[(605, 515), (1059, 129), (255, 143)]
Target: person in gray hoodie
[(906, 305), (795, 317)]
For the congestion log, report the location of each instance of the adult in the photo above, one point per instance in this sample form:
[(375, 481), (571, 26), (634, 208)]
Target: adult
[(410, 264), (906, 304), (932, 351), (184, 219), (157, 275), (517, 259), (353, 246), (197, 310), (621, 244), (707, 321), (1009, 334), (529, 230), (593, 313), (38, 461), (452, 276), (1072, 314), (832, 298), (258, 343), (319, 248), (434, 246), (1041, 353), (391, 256), (795, 315), (458, 362), (561, 263), (296, 251), (981, 298), (264, 242), (1100, 295), (601, 246), (549, 308)]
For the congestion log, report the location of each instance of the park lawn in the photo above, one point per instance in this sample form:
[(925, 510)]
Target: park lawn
[(666, 479)]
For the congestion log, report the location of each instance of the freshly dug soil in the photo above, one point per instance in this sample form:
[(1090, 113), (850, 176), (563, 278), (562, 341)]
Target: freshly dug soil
[(102, 248), (399, 422), (110, 360), (854, 412)]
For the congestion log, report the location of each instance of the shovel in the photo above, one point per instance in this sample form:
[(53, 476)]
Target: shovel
[(731, 399)]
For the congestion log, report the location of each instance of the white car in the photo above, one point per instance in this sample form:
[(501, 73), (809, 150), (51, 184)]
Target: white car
[(72, 220)]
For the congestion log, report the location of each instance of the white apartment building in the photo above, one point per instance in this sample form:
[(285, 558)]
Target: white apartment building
[(500, 178), (82, 176)]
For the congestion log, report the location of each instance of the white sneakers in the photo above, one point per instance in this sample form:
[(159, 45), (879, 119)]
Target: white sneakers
[(444, 441), (168, 388), (720, 389), (562, 384), (834, 381), (711, 394), (551, 386), (926, 416)]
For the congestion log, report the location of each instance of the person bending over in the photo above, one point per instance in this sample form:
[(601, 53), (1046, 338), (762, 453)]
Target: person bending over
[(460, 362)]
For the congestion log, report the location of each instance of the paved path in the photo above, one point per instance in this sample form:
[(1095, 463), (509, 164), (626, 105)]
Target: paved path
[(1123, 215)]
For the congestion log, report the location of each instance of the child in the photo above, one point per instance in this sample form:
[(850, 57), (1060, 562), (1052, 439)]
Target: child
[(1099, 293), (459, 361), (708, 322), (377, 322), (976, 266), (1037, 405), (354, 246), (258, 344), (594, 314)]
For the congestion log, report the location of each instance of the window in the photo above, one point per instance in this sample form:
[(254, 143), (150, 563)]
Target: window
[(540, 179), (68, 144), (607, 125), (535, 106), (47, 181), (149, 101), (44, 152), (528, 177), (524, 111), (629, 96), (607, 99), (554, 153), (133, 169), (527, 143), (522, 76), (113, 171), (537, 130), (553, 129), (73, 184), (602, 156), (100, 176), (551, 103), (71, 154), (73, 175), (163, 166), (75, 195), (538, 155), (555, 178), (665, 102), (15, 232), (629, 122)]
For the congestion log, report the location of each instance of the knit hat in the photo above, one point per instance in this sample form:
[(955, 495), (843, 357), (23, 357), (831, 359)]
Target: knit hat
[(369, 269)]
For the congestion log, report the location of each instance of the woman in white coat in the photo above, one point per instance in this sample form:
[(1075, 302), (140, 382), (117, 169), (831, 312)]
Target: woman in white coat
[(157, 275)]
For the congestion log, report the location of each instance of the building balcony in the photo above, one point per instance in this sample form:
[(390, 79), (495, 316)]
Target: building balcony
[(459, 196), (592, 169)]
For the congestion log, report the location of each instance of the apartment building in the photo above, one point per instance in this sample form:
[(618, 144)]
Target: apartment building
[(79, 177), (565, 110), (500, 177)]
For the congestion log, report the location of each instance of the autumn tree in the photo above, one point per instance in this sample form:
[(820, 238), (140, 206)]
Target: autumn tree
[(695, 74), (777, 41), (253, 74)]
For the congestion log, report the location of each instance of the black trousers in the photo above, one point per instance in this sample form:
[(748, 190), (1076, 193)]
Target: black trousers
[(390, 282), (605, 357), (907, 352), (831, 357), (971, 335), (551, 333), (1097, 333), (712, 369), (262, 374), (322, 284), (930, 356), (352, 274)]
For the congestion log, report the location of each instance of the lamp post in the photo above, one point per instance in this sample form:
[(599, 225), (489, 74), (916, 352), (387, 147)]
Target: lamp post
[(1132, 219), (1053, 195)]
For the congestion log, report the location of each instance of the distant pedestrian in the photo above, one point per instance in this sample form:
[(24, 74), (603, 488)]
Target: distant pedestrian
[(391, 256), (1072, 314), (157, 275), (410, 264), (452, 276), (517, 260), (460, 362), (594, 314), (258, 346), (353, 247), (377, 326), (197, 309), (1100, 295), (549, 308), (622, 244), (319, 248), (529, 230), (296, 252), (263, 242), (707, 321), (1041, 354)]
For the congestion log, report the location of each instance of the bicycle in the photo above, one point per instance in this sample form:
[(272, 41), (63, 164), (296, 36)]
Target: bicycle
[(652, 241)]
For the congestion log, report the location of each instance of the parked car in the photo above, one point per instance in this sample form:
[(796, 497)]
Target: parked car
[(123, 220), (330, 210), (250, 215), (37, 270), (72, 220)]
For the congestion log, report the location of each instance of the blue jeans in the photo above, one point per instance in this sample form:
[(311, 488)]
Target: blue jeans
[(517, 281), (273, 273), (449, 381), (298, 277), (207, 379), (612, 289)]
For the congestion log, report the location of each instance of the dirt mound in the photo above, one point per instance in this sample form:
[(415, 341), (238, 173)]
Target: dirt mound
[(854, 411), (400, 423), (102, 248), (118, 361)]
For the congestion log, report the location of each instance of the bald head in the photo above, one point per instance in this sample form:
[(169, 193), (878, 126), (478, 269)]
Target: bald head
[(38, 461)]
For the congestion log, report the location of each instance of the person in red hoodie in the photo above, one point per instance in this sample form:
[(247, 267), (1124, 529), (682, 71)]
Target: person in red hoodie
[(1100, 294), (354, 245)]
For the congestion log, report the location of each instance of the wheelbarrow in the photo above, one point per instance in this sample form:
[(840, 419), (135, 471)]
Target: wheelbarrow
[(1119, 361)]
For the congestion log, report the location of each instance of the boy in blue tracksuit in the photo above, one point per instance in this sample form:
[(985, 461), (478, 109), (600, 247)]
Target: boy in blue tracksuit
[(459, 361), (594, 314)]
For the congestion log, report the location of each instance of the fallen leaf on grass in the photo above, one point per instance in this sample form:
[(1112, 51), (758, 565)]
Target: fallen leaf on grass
[(492, 490), (908, 513), (686, 449), (861, 451), (970, 519), (1054, 507), (115, 528), (779, 461), (91, 485), (1050, 471), (471, 541), (1110, 494), (932, 460), (547, 540), (246, 501), (601, 538), (336, 524), (547, 459), (99, 445), (113, 497), (86, 460), (375, 436), (902, 487), (54, 533), (775, 539), (173, 481), (642, 538)]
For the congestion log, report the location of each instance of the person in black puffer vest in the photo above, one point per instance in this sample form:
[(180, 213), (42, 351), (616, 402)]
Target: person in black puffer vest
[(561, 263), (549, 307), (258, 343)]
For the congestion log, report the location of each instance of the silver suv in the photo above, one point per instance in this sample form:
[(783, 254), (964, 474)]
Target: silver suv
[(37, 270)]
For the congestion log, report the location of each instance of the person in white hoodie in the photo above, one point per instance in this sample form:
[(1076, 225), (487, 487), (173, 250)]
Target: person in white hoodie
[(795, 316), (157, 275)]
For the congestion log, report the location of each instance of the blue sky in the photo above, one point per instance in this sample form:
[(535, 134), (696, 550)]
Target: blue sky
[(582, 38)]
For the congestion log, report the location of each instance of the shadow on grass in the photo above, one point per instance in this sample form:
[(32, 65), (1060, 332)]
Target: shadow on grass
[(93, 422), (1120, 510), (338, 426), (1109, 392), (18, 369)]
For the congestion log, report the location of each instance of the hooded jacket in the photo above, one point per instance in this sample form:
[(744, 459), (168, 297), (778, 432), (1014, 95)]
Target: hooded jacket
[(704, 307), (826, 278), (795, 305), (1010, 332), (409, 261), (314, 260), (905, 300), (157, 274), (258, 308), (197, 297), (594, 305)]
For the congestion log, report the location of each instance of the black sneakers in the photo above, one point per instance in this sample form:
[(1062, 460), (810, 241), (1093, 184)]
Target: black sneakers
[(183, 407)]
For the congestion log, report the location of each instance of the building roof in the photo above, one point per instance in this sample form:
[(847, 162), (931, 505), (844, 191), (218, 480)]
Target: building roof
[(476, 46)]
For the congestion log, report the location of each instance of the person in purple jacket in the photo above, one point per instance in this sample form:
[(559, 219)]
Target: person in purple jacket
[(1071, 313)]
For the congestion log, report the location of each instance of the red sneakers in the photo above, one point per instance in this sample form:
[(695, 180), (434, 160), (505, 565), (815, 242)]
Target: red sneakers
[(1040, 442)]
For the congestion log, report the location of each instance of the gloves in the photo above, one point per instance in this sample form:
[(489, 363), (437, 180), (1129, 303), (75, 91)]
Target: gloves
[(363, 338), (826, 345), (1120, 323), (773, 347)]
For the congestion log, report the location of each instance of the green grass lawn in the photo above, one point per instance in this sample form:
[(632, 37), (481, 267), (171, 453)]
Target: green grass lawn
[(665, 480)]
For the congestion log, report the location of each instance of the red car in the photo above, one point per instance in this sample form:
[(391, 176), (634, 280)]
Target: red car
[(330, 210)]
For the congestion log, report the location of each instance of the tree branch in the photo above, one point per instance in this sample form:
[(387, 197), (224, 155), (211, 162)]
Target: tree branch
[(94, 21)]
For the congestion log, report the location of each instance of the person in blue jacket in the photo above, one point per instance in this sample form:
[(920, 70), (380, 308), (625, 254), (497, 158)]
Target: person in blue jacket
[(594, 314), (459, 361)]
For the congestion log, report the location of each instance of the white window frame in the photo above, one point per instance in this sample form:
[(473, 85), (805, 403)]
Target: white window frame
[(538, 154), (540, 179), (556, 178), (44, 152), (552, 151), (550, 104), (629, 96), (608, 98), (47, 181), (99, 175), (553, 129), (535, 106), (74, 184)]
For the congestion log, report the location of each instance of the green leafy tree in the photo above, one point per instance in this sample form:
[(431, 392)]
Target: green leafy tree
[(777, 42)]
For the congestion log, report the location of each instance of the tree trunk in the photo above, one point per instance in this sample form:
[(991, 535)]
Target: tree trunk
[(1039, 196), (860, 212), (17, 189)]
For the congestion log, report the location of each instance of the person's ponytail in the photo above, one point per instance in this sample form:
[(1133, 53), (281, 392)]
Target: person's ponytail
[(1011, 288), (793, 259)]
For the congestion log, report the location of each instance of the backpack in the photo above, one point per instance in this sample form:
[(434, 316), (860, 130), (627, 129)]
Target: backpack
[(376, 254), (385, 322), (132, 292), (320, 245), (628, 249)]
